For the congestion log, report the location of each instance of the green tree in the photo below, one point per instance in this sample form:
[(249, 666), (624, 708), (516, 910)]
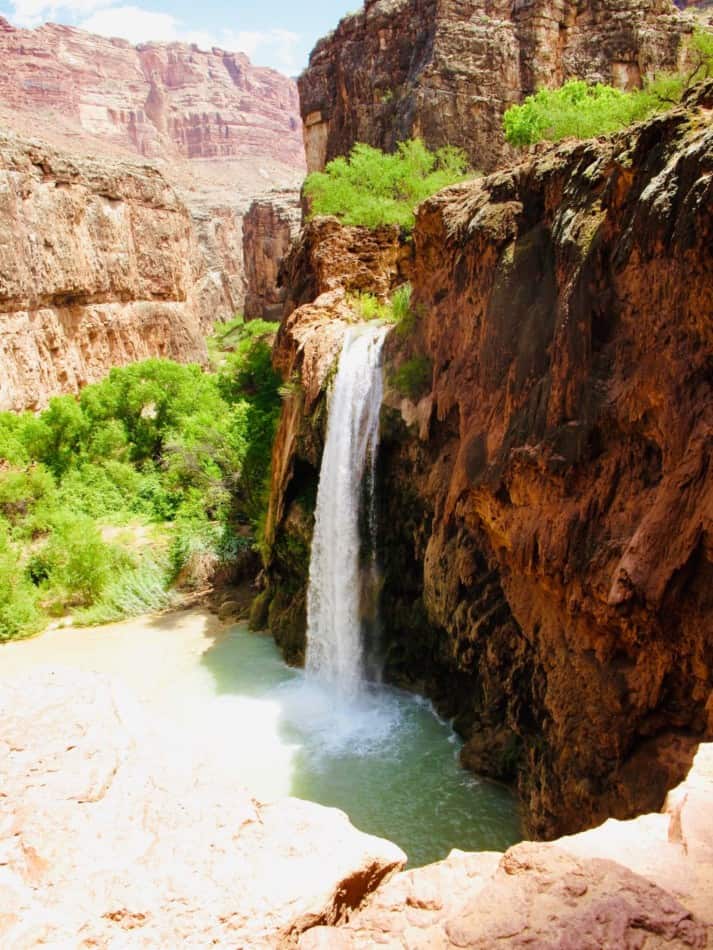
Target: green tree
[(373, 188)]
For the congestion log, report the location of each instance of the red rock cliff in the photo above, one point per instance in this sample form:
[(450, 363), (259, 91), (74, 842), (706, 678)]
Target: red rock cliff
[(221, 130), (446, 70), (551, 491)]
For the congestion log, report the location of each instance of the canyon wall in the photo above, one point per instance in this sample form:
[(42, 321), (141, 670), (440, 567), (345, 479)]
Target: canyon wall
[(97, 269), (219, 129), (546, 500), (271, 225), (157, 100), (446, 70)]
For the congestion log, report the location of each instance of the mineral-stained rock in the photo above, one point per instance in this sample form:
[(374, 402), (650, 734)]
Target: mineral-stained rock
[(622, 885), (109, 837), (97, 266), (271, 224), (447, 70), (551, 494)]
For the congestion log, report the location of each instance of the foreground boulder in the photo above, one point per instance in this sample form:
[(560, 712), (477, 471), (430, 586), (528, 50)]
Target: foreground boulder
[(109, 837)]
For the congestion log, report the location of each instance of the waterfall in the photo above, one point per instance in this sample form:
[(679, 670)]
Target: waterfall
[(334, 634)]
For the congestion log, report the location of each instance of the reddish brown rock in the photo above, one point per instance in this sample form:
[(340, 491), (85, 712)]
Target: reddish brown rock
[(98, 267), (551, 492), (446, 71), (111, 836), (271, 225)]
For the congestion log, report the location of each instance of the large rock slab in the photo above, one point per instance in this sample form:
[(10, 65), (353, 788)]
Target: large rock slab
[(109, 837)]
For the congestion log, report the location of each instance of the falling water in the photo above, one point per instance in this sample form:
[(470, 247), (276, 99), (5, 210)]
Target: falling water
[(334, 636)]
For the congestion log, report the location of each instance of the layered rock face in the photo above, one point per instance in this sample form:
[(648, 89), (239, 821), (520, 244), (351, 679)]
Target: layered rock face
[(221, 130), (271, 225), (446, 70), (549, 489), (158, 100), (97, 269)]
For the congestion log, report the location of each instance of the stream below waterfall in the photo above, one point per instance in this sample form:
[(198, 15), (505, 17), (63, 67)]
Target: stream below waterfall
[(383, 757)]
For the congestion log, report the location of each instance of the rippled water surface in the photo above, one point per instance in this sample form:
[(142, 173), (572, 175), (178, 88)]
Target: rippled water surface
[(384, 758)]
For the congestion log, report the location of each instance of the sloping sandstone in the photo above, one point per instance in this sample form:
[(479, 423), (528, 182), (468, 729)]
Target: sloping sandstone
[(109, 837), (446, 70)]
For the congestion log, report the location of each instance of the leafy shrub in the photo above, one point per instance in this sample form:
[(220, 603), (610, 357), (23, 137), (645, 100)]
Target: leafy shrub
[(396, 310), (372, 188), (579, 110), (157, 440), (413, 378), (136, 590), (19, 608), (576, 110), (75, 564)]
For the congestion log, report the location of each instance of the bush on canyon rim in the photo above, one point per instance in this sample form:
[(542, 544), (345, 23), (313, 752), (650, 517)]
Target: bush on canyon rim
[(579, 110), (372, 188), (154, 442)]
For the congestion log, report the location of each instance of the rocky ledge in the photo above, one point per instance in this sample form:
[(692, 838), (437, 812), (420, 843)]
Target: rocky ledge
[(624, 885), (110, 837)]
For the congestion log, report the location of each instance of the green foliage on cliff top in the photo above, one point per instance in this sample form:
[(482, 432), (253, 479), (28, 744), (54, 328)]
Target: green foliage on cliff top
[(371, 188), (155, 442), (579, 110)]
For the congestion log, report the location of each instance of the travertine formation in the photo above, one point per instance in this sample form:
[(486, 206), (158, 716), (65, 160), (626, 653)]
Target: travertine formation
[(549, 486), (446, 70), (98, 267), (111, 836), (271, 224)]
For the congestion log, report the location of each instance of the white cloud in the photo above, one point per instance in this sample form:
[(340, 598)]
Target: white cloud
[(31, 13), (281, 49), (278, 48)]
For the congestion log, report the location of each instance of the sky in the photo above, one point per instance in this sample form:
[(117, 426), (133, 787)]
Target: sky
[(279, 33)]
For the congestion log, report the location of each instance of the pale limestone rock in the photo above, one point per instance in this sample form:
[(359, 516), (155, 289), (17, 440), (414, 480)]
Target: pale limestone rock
[(110, 838)]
